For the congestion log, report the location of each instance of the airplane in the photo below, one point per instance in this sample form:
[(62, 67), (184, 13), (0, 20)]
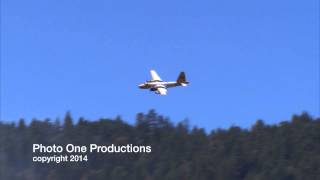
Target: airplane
[(159, 86)]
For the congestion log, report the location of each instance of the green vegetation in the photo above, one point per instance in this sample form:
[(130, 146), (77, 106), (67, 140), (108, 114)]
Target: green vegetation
[(288, 150)]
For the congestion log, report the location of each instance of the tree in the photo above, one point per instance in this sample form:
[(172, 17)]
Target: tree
[(288, 150)]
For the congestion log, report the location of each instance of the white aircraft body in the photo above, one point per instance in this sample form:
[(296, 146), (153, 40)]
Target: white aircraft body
[(159, 86)]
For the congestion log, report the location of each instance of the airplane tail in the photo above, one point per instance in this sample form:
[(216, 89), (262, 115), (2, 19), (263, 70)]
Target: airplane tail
[(182, 79)]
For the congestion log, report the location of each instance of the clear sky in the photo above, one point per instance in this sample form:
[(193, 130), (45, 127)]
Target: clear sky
[(246, 60)]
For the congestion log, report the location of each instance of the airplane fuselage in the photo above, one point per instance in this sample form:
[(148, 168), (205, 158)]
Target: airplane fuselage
[(154, 84)]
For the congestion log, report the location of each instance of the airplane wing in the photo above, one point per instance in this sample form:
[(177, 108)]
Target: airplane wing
[(162, 90), (155, 76)]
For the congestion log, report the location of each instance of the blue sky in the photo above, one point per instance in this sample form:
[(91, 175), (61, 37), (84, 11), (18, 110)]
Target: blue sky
[(246, 60)]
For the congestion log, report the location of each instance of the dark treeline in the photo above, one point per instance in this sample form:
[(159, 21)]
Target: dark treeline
[(288, 150)]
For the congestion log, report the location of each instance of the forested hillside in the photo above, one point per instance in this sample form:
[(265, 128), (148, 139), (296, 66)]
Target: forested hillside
[(285, 151)]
